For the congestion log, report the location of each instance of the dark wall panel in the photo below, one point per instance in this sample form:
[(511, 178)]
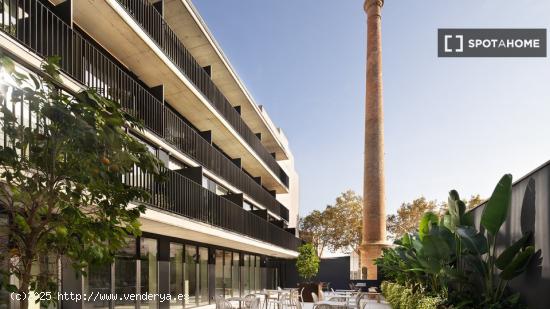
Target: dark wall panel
[(333, 270), (530, 211)]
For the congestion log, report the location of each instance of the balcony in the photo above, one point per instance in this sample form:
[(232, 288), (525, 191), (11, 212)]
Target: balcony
[(134, 32), (40, 30), (181, 196)]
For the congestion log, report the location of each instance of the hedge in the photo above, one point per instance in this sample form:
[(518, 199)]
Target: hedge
[(401, 297)]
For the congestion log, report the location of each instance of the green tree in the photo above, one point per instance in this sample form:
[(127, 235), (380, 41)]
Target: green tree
[(475, 200), (345, 223), (408, 215), (314, 229), (307, 262), (62, 177)]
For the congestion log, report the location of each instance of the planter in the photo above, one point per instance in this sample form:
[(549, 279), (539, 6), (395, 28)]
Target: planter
[(309, 287)]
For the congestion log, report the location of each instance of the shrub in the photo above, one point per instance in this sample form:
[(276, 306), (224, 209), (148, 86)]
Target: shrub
[(307, 263), (429, 302), (400, 297)]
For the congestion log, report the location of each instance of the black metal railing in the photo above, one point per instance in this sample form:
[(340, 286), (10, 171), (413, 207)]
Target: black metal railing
[(181, 135), (153, 23), (40, 30), (184, 197)]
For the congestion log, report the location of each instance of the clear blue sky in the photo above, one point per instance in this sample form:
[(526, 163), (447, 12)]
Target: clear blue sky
[(450, 123)]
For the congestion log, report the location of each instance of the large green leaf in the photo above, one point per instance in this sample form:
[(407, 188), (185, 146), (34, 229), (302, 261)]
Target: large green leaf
[(426, 222), (519, 264), (436, 247), (509, 253), (450, 222), (473, 241), (496, 210)]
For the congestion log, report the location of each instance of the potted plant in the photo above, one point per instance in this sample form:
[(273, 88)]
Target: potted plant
[(307, 265)]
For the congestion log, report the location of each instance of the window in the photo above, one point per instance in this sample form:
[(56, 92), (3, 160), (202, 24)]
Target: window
[(245, 283), (257, 275), (227, 282), (235, 270), (125, 274), (176, 274), (247, 206), (190, 276), (98, 282), (203, 276), (219, 273), (148, 271), (214, 186)]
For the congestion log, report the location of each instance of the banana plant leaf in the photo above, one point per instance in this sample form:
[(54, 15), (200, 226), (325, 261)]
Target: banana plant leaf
[(473, 241), (495, 212), (436, 247), (428, 219), (519, 264), (508, 255)]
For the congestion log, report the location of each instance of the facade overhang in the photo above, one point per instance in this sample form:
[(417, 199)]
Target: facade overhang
[(164, 223), (184, 19)]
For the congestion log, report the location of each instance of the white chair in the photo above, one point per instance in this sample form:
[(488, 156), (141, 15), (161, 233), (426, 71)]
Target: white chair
[(315, 298), (250, 301), (222, 303)]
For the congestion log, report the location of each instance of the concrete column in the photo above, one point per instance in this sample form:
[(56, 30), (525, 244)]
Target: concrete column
[(374, 214)]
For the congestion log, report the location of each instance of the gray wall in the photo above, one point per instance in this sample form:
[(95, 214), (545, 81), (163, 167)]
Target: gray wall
[(333, 270), (530, 211)]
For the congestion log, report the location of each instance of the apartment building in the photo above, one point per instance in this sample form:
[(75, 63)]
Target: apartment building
[(227, 213)]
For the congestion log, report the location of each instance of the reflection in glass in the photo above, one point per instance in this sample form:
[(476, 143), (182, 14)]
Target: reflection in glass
[(98, 281), (227, 274), (125, 275), (190, 277), (203, 276), (176, 274), (149, 269), (245, 283), (235, 275), (219, 273), (257, 275)]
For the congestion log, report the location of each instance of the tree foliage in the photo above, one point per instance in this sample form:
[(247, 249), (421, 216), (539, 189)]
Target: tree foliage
[(346, 223), (307, 262), (409, 214), (62, 166), (338, 227), (314, 229)]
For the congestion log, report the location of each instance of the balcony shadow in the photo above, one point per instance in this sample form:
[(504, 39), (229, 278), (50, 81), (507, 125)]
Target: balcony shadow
[(528, 215)]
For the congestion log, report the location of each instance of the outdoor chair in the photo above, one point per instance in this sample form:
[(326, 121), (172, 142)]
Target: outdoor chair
[(286, 302), (222, 303), (315, 298), (321, 295), (360, 297), (251, 302)]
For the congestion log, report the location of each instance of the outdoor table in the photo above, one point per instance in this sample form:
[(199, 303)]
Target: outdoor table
[(350, 299), (342, 304), (266, 295), (239, 299), (350, 291), (278, 292)]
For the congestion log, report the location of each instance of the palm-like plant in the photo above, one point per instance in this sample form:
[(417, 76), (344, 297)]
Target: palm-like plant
[(449, 253)]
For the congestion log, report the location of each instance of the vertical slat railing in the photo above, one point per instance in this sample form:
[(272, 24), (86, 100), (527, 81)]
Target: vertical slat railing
[(40, 30), (153, 23)]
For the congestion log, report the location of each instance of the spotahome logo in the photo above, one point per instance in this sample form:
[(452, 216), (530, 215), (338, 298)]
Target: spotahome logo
[(491, 42)]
